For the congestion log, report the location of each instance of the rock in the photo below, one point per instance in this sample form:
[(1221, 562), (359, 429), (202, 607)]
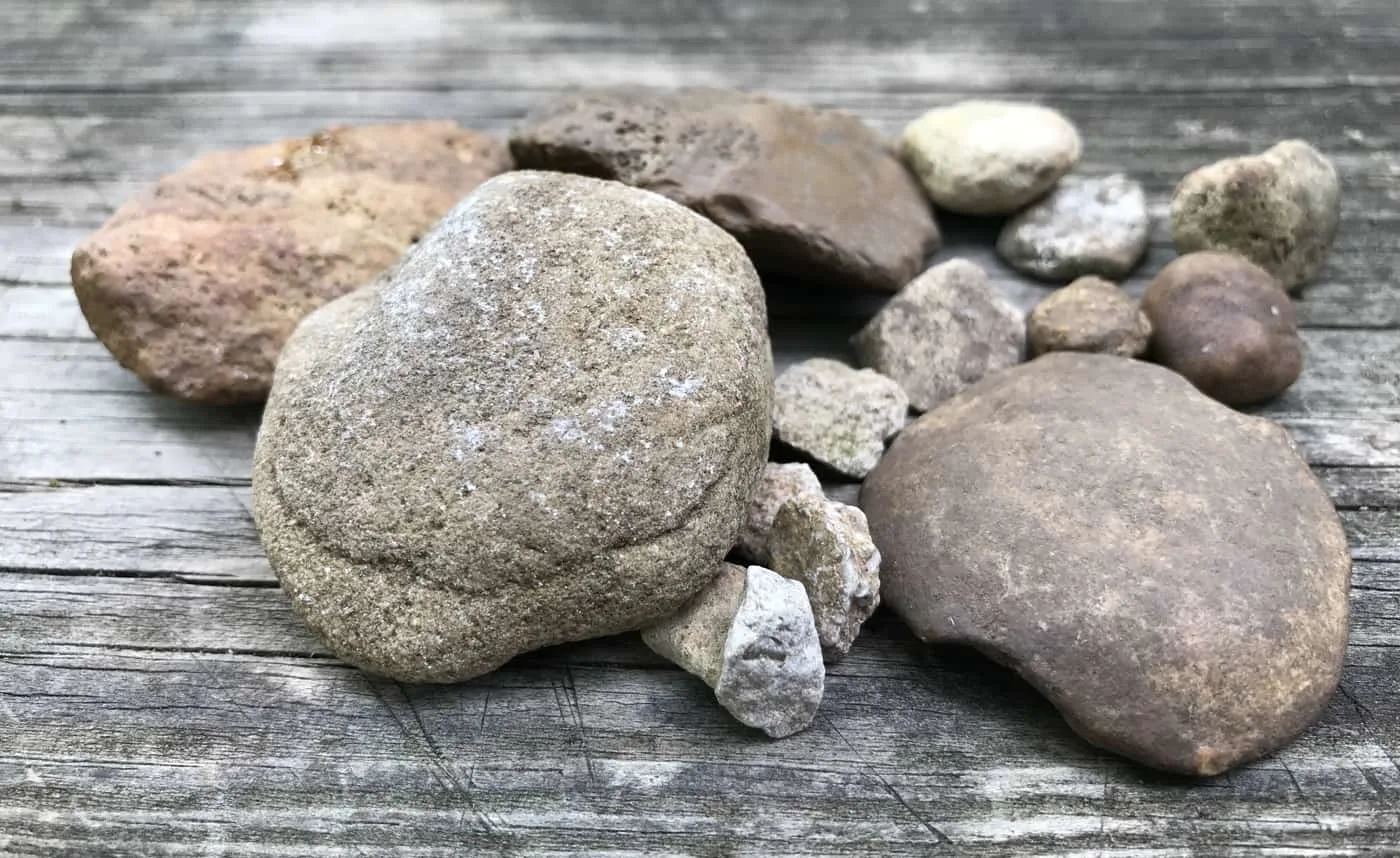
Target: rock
[(542, 426), (1085, 226), (1088, 315), (777, 486), (839, 416), (826, 546), (196, 284), (1279, 210), (750, 636), (989, 157), (811, 194), (1166, 571), (941, 333), (1226, 325)]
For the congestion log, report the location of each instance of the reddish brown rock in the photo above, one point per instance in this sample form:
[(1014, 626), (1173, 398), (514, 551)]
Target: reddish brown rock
[(813, 194), (196, 284)]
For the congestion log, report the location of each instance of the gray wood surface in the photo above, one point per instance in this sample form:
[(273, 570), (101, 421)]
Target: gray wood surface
[(157, 697)]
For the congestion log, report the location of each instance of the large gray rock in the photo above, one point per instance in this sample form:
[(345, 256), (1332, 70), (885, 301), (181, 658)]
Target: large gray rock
[(751, 637), (811, 194), (1167, 571), (1280, 210), (542, 426)]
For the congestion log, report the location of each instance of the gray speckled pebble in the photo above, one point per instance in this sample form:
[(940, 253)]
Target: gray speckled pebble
[(1087, 225), (942, 333), (542, 426), (838, 415)]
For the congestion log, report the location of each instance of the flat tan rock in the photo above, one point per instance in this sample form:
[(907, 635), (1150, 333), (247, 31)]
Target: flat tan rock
[(196, 284)]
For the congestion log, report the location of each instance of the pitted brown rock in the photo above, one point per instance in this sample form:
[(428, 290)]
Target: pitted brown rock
[(813, 194), (1166, 571), (543, 426), (196, 284)]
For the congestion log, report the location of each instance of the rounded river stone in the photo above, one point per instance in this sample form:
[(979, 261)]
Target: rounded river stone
[(196, 284), (542, 426), (1168, 572), (811, 194), (1089, 315), (1279, 209), (1226, 325), (1087, 225)]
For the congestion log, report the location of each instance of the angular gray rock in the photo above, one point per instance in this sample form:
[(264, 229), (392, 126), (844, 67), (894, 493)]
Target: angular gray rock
[(838, 415), (1166, 571), (989, 157), (1087, 225), (542, 426), (1279, 210), (826, 546), (811, 194), (1089, 315), (751, 637), (778, 485), (944, 331)]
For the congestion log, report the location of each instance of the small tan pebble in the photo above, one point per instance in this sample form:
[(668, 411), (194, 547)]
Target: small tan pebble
[(989, 157), (827, 547), (751, 637), (942, 333), (1089, 315), (1279, 209), (1226, 325), (778, 485), (838, 415)]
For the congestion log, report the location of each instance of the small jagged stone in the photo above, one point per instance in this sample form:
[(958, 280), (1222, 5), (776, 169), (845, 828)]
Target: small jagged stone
[(812, 194), (520, 436), (1279, 209), (838, 415), (943, 332), (1086, 225), (1226, 325), (1167, 571), (827, 547), (196, 284), (1089, 315), (778, 485), (751, 637), (989, 157)]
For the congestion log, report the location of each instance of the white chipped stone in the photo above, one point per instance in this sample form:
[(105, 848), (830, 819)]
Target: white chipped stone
[(1087, 225), (838, 415)]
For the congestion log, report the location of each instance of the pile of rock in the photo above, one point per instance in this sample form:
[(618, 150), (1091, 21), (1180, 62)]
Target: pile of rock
[(549, 417)]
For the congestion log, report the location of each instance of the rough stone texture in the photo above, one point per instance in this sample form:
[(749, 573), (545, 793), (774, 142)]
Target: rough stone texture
[(196, 284), (989, 157), (944, 331), (1085, 226), (751, 637), (826, 546), (839, 416), (1166, 571), (1089, 315), (812, 194), (1226, 325), (1279, 209), (543, 426), (778, 485)]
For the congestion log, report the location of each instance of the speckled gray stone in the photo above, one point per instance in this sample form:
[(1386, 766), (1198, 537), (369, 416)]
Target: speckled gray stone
[(1089, 315), (1168, 572), (944, 331), (989, 157), (1087, 225), (542, 426), (1279, 210), (751, 637), (838, 415), (827, 547), (778, 485)]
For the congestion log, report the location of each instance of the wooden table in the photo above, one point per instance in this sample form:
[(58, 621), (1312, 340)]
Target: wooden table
[(157, 697)]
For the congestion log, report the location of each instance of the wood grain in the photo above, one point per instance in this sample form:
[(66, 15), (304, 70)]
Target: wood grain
[(158, 695)]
